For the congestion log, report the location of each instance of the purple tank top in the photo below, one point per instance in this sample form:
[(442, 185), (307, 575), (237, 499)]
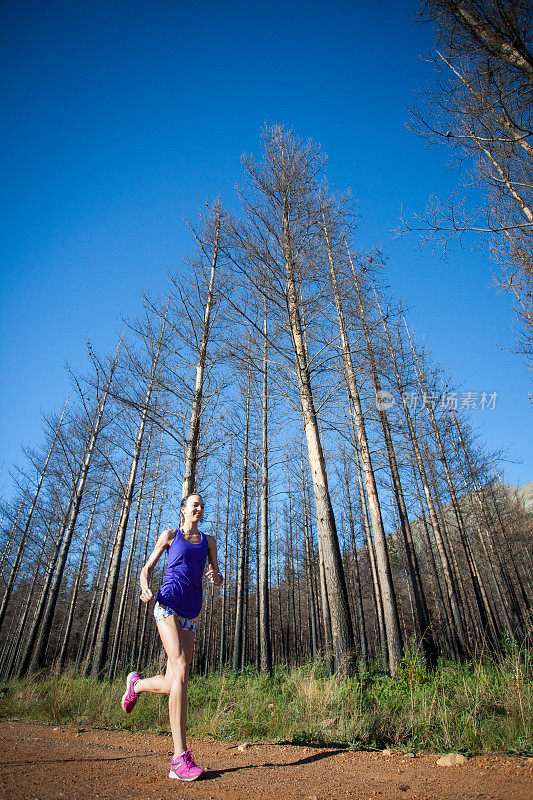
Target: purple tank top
[(181, 589)]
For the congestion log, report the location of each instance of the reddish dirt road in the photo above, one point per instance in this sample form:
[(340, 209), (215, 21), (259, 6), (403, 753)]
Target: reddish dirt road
[(40, 762)]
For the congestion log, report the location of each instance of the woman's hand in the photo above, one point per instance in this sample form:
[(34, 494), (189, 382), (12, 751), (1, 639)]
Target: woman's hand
[(147, 595), (214, 576)]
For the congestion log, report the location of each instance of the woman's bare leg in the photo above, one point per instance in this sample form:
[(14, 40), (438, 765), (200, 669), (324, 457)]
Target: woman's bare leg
[(179, 647), (159, 684)]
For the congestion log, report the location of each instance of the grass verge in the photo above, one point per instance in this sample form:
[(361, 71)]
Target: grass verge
[(484, 705)]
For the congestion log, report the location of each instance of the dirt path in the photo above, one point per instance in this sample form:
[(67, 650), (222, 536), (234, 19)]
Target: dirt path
[(38, 762)]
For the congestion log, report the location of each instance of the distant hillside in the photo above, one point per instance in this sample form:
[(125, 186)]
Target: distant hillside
[(525, 493)]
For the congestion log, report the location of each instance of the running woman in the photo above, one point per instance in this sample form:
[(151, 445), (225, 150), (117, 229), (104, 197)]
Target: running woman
[(177, 604)]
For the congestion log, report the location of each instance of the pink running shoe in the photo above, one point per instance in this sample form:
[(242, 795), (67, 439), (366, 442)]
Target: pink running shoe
[(184, 768), (130, 696)]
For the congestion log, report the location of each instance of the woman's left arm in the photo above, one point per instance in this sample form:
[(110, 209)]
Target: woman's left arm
[(213, 572)]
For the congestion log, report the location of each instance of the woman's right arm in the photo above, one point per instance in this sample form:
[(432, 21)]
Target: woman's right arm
[(161, 545)]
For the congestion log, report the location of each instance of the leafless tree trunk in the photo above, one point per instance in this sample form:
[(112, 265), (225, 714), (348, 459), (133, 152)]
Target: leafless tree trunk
[(492, 557), (28, 658), (77, 580), (357, 574), (238, 639), (140, 606), (38, 659), (102, 640), (482, 602), (264, 616), (9, 670), (20, 550), (146, 610), (119, 625), (191, 453), (390, 609), (226, 572), (312, 602), (91, 627), (459, 632)]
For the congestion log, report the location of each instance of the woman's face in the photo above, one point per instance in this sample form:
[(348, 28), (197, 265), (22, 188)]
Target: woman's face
[(193, 510)]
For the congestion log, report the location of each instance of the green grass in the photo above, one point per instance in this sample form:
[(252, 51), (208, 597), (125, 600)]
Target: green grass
[(484, 705)]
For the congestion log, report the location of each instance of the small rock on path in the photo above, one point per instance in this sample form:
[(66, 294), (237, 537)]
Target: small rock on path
[(452, 760)]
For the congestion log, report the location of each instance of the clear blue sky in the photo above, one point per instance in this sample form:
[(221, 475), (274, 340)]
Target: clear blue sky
[(120, 119)]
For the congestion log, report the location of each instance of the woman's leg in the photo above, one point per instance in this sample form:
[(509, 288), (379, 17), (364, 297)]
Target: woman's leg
[(179, 647), (159, 684)]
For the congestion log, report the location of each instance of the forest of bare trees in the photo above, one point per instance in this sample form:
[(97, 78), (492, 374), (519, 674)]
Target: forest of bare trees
[(355, 510)]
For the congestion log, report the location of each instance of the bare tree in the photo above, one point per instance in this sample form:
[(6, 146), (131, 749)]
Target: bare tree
[(96, 422), (481, 106), (104, 630), (394, 640), (276, 248), (264, 615), (209, 243), (22, 541), (240, 615)]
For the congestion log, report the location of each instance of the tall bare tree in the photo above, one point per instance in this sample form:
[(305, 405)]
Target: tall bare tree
[(240, 611), (22, 541), (209, 243), (394, 639), (104, 630), (264, 611), (277, 253), (481, 105)]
